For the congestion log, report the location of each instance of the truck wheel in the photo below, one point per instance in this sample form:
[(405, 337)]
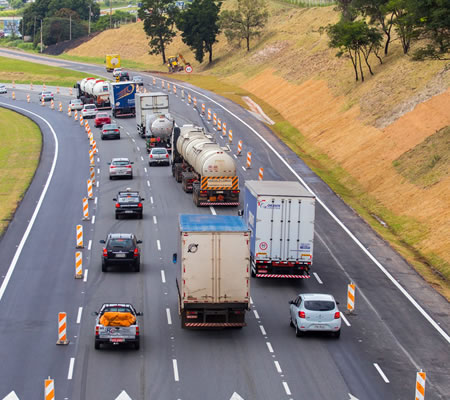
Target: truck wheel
[(137, 345), (97, 345)]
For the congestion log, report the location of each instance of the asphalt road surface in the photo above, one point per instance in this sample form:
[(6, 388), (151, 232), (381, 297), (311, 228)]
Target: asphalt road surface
[(400, 325)]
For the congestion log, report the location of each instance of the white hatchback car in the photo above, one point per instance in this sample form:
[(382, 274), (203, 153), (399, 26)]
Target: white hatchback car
[(89, 111), (117, 71), (3, 88), (76, 104), (120, 167), (315, 312)]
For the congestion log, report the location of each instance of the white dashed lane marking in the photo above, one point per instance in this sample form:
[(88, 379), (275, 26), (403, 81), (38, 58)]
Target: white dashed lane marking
[(269, 346), (85, 275), (277, 366), (286, 388), (148, 183), (163, 276), (93, 219), (71, 365), (175, 370), (345, 320), (169, 318), (158, 243), (89, 244), (256, 314), (263, 331), (317, 277), (80, 312), (380, 371), (154, 220)]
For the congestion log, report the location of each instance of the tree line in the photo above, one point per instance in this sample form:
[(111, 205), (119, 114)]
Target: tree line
[(366, 27)]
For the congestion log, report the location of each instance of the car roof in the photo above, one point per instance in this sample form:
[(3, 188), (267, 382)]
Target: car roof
[(75, 101), (120, 235), (128, 193), (159, 148), (90, 105), (120, 159), (317, 296)]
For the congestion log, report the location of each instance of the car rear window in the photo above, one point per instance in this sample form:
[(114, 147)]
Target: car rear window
[(159, 151), (129, 199), (110, 126), (117, 309), (102, 115), (120, 244), (90, 107), (120, 163), (319, 305)]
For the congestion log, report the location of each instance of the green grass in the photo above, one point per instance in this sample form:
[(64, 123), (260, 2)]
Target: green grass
[(20, 147), (27, 72)]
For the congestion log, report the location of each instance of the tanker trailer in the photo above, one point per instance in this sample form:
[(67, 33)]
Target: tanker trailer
[(205, 169), (158, 131), (99, 93)]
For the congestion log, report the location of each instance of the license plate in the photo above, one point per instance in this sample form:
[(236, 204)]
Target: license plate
[(128, 212), (121, 255), (219, 191), (117, 340), (319, 327)]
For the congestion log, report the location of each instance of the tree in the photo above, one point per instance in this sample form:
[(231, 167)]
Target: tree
[(159, 23), (347, 10), (199, 25), (405, 20), (246, 22), (57, 29), (17, 3)]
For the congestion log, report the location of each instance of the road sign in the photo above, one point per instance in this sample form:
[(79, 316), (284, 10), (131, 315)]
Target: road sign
[(188, 69), (123, 396)]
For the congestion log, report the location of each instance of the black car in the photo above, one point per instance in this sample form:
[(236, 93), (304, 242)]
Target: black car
[(129, 203), (110, 131), (121, 249), (124, 76)]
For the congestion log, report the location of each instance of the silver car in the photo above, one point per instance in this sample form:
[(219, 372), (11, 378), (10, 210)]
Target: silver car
[(315, 312), (76, 104), (120, 167), (46, 96), (3, 89), (158, 155), (138, 80), (89, 111)]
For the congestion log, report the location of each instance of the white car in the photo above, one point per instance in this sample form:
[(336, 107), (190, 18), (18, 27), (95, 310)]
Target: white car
[(3, 89), (315, 312), (89, 111), (76, 104), (120, 167), (117, 71)]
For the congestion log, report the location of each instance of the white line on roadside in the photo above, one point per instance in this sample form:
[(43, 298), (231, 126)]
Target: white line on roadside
[(175, 370), (243, 168), (138, 149), (269, 346), (256, 314), (142, 158), (128, 133), (93, 219), (317, 277), (380, 371), (169, 318), (286, 388), (163, 276), (89, 244), (95, 200), (263, 331), (277, 366), (86, 271), (70, 373), (148, 183), (158, 243), (213, 212), (13, 264), (154, 219), (345, 320), (80, 312), (151, 199)]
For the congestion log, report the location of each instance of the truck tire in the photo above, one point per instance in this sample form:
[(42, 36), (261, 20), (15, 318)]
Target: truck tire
[(137, 345), (97, 345)]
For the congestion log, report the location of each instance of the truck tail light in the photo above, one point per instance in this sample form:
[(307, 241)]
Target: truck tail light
[(140, 205), (137, 331), (151, 156), (97, 331), (235, 191), (337, 315), (112, 166), (301, 314), (136, 252), (167, 156), (203, 192), (105, 252)]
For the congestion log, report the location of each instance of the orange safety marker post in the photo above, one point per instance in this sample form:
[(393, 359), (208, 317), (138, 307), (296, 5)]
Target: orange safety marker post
[(420, 385), (91, 158), (70, 113), (81, 120), (214, 119), (239, 148), (76, 115), (261, 174), (52, 104), (62, 328), (68, 109), (219, 124), (351, 297), (49, 389), (60, 107), (14, 84), (91, 141), (70, 91), (28, 98), (203, 108), (189, 98), (154, 81), (44, 87), (224, 129), (89, 190), (162, 83), (209, 114), (92, 173), (31, 86), (13, 95), (57, 90), (78, 265), (79, 237), (174, 90), (94, 146), (230, 136), (249, 160), (85, 208), (42, 103), (195, 102), (168, 86)]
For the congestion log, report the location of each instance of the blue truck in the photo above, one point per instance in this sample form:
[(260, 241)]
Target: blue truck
[(122, 98)]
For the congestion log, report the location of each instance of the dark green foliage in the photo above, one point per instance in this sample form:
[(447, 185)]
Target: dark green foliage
[(56, 30)]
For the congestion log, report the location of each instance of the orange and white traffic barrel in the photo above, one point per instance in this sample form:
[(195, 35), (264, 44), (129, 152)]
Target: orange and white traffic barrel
[(224, 129), (261, 174), (92, 174), (189, 98), (420, 385), (239, 147), (214, 119), (90, 192), (76, 115), (57, 90), (351, 297), (154, 81), (78, 265), (94, 146), (203, 108), (42, 103), (31, 86), (81, 120), (91, 158), (79, 237), (219, 124), (28, 98), (195, 102), (49, 389), (249, 160), (44, 87), (162, 83), (209, 114), (174, 90), (60, 107), (85, 208), (168, 86), (69, 113), (70, 91), (91, 141), (52, 104), (230, 136), (62, 328), (13, 95)]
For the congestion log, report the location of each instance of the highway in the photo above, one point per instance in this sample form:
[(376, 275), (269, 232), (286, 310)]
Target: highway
[(383, 343)]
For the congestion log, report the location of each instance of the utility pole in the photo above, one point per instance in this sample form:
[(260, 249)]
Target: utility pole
[(34, 28), (41, 36), (89, 31), (70, 27)]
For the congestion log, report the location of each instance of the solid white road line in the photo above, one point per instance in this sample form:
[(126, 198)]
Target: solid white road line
[(128, 133), (13, 264), (263, 331), (70, 373), (256, 314), (286, 388), (334, 217), (80, 312), (175, 370), (86, 271), (154, 220), (213, 212), (269, 346), (345, 320), (89, 244), (317, 277), (169, 318), (93, 219), (163, 276), (158, 243), (380, 371), (277, 366), (251, 300)]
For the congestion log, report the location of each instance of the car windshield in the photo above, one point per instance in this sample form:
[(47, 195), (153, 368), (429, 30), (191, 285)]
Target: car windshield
[(319, 305), (129, 199), (120, 163), (159, 151), (117, 309), (110, 127), (102, 115), (89, 107), (46, 93), (120, 244)]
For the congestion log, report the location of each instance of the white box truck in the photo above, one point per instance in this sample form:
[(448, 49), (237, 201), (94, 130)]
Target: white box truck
[(151, 106), (214, 275), (280, 216)]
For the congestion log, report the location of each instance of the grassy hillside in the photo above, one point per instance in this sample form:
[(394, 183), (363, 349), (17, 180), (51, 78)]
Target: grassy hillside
[(365, 140)]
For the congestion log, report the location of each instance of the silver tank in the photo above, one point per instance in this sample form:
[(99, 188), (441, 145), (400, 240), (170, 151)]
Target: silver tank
[(159, 125), (84, 82)]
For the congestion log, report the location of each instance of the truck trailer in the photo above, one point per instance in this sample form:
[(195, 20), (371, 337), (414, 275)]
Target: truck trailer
[(94, 91), (213, 278), (112, 61), (122, 96), (280, 216)]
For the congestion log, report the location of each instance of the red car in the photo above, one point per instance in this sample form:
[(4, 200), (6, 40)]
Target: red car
[(102, 119)]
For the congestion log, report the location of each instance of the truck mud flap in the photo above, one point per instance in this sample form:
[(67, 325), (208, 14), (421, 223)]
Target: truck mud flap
[(214, 324), (282, 276), (205, 203)]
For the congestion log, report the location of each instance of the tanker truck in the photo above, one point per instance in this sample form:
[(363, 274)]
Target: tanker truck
[(204, 168), (94, 91)]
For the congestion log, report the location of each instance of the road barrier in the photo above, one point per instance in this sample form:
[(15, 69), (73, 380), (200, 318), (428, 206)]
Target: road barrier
[(209, 114), (89, 190), (92, 173), (86, 208), (52, 104), (168, 86), (154, 81), (224, 129), (42, 102), (91, 159), (81, 120), (79, 237), (351, 297), (44, 87), (31, 86), (261, 174), (57, 90), (94, 146), (76, 115), (219, 124), (70, 91), (13, 84), (162, 83), (13, 95), (239, 148), (28, 98), (214, 119), (420, 385), (62, 328), (249, 160), (78, 265), (91, 141), (230, 136), (60, 107), (70, 113), (189, 98), (182, 94), (49, 389), (174, 90), (195, 102)]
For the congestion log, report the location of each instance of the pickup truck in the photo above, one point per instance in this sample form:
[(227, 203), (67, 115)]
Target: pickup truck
[(117, 323)]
